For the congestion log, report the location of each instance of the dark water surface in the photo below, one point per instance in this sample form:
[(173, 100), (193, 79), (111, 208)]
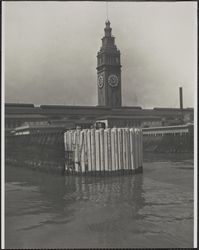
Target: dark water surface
[(153, 209)]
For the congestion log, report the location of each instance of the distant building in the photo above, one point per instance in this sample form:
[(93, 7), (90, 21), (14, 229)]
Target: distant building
[(109, 108)]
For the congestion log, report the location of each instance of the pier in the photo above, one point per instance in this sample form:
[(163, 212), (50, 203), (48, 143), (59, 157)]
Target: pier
[(95, 151), (168, 139)]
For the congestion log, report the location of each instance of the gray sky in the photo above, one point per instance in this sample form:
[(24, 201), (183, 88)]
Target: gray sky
[(51, 47)]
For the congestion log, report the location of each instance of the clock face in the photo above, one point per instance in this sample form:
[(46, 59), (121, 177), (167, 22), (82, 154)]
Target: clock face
[(113, 80), (100, 81)]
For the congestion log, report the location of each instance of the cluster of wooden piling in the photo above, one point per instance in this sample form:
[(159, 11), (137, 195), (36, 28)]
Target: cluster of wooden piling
[(103, 151)]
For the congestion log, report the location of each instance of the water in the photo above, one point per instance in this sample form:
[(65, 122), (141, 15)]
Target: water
[(153, 209)]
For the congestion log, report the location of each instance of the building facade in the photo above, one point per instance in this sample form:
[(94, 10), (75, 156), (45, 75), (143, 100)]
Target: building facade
[(109, 106)]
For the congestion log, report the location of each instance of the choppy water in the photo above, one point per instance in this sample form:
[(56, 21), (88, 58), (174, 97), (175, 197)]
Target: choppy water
[(153, 209)]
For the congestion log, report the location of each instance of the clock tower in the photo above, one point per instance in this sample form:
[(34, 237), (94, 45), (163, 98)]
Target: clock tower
[(109, 71)]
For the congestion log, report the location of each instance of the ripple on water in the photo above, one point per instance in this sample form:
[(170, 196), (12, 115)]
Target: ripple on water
[(143, 210)]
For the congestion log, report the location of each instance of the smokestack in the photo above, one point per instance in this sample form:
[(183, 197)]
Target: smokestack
[(181, 98)]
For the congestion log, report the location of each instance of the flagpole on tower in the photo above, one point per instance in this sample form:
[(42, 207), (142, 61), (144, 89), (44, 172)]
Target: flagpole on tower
[(107, 10)]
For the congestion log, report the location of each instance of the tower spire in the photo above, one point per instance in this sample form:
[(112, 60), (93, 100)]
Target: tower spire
[(107, 29)]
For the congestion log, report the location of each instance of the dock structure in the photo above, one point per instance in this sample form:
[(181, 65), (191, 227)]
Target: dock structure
[(36, 147), (103, 151), (168, 139), (95, 151)]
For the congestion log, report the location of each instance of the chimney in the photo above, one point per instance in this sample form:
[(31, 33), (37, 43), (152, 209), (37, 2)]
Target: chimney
[(181, 98)]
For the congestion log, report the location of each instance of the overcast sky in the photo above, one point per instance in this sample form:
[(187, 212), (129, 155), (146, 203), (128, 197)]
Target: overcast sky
[(51, 47)]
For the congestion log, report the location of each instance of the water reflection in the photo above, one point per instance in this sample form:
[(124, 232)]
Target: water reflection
[(148, 209), (57, 194)]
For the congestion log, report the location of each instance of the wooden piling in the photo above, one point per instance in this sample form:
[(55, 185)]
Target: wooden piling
[(113, 150), (116, 149), (101, 133), (120, 152), (97, 146), (82, 152), (93, 153), (89, 150), (106, 159), (132, 157)]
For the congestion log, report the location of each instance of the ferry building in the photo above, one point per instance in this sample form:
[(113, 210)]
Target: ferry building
[(109, 108)]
